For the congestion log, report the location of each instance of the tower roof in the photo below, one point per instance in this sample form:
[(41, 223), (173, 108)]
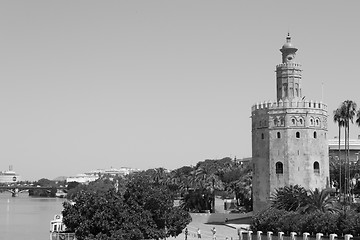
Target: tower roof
[(288, 45)]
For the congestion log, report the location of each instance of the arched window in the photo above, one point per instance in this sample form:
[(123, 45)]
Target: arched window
[(317, 122), (262, 136), (301, 121), (316, 167), (278, 135), (297, 134), (315, 135), (293, 121), (285, 88), (279, 168), (311, 121)]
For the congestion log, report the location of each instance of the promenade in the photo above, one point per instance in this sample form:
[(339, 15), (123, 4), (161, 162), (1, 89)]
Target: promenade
[(223, 232)]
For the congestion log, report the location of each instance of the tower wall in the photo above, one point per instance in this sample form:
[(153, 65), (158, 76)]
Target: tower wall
[(288, 81), (293, 134)]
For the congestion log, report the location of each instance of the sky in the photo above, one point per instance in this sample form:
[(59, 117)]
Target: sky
[(88, 85)]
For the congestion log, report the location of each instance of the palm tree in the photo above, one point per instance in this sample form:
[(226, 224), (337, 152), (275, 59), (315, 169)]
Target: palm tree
[(297, 198), (348, 110), (358, 118), (208, 180), (289, 198), (341, 123), (319, 201), (242, 189)]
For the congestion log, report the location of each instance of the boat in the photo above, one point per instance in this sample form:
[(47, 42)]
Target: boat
[(58, 229), (9, 176)]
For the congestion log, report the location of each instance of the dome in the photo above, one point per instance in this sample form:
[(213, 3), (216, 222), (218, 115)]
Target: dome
[(288, 44)]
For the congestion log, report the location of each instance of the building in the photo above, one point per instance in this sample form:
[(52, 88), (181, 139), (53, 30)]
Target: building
[(354, 150), (96, 174), (82, 178), (9, 176), (289, 144)]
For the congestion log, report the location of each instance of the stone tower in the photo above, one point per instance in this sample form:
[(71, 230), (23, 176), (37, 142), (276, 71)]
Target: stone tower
[(289, 144)]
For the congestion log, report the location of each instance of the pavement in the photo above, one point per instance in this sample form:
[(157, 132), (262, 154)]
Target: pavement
[(224, 231)]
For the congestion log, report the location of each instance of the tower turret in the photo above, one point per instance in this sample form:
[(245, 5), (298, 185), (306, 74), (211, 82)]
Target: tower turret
[(288, 73)]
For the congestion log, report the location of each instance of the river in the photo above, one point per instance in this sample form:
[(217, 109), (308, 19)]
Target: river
[(27, 218)]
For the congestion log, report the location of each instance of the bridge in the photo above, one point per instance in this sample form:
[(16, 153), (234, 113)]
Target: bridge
[(16, 189)]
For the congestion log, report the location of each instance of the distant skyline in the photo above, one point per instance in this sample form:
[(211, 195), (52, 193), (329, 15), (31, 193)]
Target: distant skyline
[(143, 84)]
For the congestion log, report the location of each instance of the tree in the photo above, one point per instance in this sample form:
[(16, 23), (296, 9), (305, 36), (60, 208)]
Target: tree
[(319, 201), (210, 181), (338, 118), (297, 198), (289, 198), (197, 200), (347, 112), (144, 211), (100, 185), (238, 181)]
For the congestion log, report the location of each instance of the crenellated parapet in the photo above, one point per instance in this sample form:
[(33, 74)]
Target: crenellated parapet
[(309, 104), (289, 65)]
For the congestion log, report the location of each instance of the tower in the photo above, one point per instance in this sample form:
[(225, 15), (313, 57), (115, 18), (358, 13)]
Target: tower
[(289, 144)]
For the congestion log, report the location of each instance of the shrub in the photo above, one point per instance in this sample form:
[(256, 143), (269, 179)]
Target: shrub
[(275, 220), (268, 220)]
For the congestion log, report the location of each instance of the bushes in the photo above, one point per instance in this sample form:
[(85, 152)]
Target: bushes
[(276, 220)]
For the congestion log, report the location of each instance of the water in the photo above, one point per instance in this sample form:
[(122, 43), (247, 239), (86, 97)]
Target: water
[(27, 218)]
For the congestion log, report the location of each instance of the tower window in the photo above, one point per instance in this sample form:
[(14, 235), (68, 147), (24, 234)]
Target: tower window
[(317, 122), (311, 121), (297, 134), (316, 167), (279, 168), (293, 121), (301, 121), (282, 122), (262, 136), (315, 135), (278, 135)]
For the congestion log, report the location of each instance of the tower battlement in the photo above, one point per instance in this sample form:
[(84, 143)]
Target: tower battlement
[(290, 104), (289, 64)]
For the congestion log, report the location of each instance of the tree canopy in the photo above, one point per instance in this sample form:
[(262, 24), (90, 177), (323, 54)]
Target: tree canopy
[(144, 210)]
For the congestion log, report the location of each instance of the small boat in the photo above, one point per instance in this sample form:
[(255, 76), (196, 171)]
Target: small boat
[(58, 229)]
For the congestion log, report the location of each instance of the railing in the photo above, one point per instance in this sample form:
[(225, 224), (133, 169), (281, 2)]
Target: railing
[(249, 235), (62, 236)]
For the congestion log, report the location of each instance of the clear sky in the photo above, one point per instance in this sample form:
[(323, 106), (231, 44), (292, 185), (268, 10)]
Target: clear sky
[(90, 85)]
